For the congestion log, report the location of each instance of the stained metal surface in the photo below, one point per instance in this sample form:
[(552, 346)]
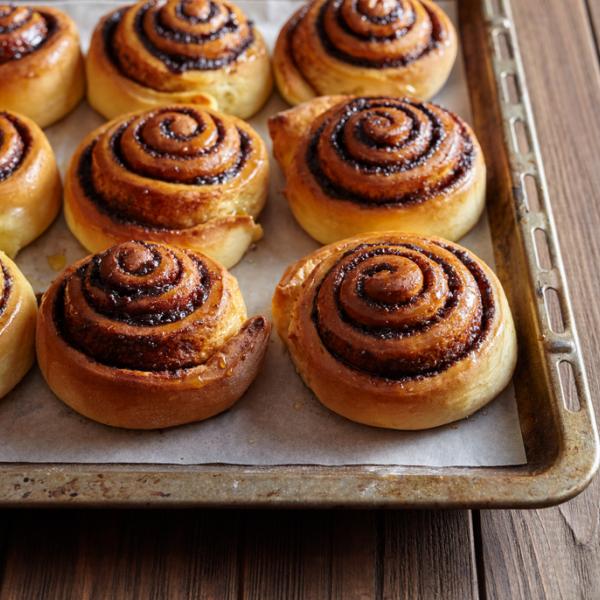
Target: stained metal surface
[(553, 397)]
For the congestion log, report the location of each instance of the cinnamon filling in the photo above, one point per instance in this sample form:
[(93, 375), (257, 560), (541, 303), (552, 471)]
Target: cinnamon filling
[(365, 34), (15, 142), (7, 282), (388, 152), (23, 31), (140, 306), (401, 311), (174, 145), (164, 39)]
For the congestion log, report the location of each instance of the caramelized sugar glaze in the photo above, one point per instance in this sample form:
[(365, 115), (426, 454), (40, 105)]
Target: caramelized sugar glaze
[(394, 47), (179, 174), (397, 330), (146, 335), (196, 51), (360, 164)]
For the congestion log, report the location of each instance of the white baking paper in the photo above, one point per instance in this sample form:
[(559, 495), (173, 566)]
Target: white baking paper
[(278, 421)]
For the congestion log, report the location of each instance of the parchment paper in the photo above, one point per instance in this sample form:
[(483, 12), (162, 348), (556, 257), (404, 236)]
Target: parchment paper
[(278, 421)]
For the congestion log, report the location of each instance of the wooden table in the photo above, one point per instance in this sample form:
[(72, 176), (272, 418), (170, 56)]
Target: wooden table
[(551, 553)]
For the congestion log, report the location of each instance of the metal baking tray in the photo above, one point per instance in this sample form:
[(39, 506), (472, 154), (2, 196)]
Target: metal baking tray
[(555, 410)]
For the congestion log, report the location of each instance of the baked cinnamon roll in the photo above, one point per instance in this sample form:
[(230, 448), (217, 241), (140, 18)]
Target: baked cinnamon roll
[(158, 52), (30, 186), (181, 175), (146, 335), (397, 330), (387, 47), (41, 66), (18, 309), (355, 164)]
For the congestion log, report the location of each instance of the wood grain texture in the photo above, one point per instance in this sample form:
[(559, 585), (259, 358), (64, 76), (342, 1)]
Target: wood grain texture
[(428, 555), (127, 554), (286, 555), (356, 555), (555, 553), (222, 555), (593, 7)]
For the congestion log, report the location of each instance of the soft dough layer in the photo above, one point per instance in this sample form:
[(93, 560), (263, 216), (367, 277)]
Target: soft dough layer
[(203, 52), (18, 309), (177, 174), (393, 47), (41, 66), (361, 164), (146, 335), (30, 186), (396, 330)]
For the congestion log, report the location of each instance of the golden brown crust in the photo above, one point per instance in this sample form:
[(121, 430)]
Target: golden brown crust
[(196, 52), (41, 66), (146, 336), (360, 164), (182, 175), (18, 309), (397, 330), (30, 186), (395, 47)]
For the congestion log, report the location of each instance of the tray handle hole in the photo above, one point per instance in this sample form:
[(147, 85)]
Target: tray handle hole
[(510, 88), (532, 194), (554, 310), (503, 46), (568, 386), (520, 136), (542, 250)]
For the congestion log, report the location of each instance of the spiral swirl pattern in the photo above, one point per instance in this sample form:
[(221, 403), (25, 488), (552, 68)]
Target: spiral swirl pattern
[(5, 287), (172, 161), (389, 151), (183, 35), (23, 30), (15, 140), (403, 310), (147, 307), (390, 33)]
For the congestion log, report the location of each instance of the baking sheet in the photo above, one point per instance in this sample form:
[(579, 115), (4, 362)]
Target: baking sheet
[(278, 421)]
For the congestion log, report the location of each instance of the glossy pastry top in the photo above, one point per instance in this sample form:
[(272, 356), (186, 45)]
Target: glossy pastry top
[(148, 307), (23, 30), (389, 151), (372, 34), (15, 141), (175, 161), (397, 307), (151, 39)]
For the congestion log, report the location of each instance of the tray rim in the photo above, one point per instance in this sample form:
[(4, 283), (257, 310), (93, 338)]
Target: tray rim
[(110, 485)]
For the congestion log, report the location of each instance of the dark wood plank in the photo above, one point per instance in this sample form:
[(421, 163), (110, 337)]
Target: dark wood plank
[(3, 545), (428, 554), (42, 556), (127, 554), (555, 553), (287, 555), (357, 555)]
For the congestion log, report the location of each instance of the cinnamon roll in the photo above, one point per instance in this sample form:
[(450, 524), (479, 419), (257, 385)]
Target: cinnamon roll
[(146, 335), (186, 51), (41, 66), (397, 330), (180, 174), (387, 47), (30, 186), (355, 165), (18, 309)]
